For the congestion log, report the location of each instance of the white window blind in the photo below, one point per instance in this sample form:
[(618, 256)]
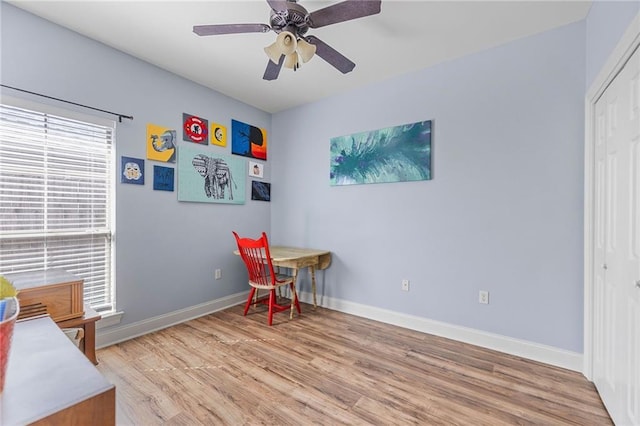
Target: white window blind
[(56, 195)]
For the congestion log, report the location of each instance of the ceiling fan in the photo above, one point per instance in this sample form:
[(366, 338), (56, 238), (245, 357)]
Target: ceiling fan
[(291, 22)]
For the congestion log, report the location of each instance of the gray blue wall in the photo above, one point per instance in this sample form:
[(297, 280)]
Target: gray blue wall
[(503, 212), (167, 250)]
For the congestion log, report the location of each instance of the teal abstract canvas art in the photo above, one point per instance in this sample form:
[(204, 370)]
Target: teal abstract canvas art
[(393, 154)]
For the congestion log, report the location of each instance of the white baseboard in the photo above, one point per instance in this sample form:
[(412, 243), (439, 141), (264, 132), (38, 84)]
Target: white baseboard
[(522, 348)]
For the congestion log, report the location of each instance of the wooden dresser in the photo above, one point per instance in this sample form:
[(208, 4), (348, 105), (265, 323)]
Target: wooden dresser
[(60, 294), (59, 291), (50, 382)]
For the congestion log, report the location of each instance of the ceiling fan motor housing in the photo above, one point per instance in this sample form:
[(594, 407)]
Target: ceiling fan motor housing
[(295, 19)]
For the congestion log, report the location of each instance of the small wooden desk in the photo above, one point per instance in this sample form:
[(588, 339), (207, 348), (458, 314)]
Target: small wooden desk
[(297, 258)]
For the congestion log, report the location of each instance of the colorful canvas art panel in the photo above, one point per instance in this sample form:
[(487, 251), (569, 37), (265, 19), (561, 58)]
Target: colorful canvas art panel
[(204, 176), (256, 169), (248, 140), (161, 144), (394, 154), (132, 170), (163, 178), (219, 134), (195, 129), (260, 191)]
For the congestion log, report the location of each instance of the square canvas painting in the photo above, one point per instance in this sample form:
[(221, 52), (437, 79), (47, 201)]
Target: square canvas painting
[(132, 170), (205, 176), (163, 178), (256, 169), (260, 191), (161, 143), (394, 154), (219, 134), (248, 140), (195, 129)]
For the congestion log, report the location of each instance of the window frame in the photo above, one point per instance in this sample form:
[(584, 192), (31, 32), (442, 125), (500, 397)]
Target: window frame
[(42, 108)]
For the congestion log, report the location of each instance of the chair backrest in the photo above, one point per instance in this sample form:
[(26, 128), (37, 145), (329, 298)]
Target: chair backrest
[(256, 256)]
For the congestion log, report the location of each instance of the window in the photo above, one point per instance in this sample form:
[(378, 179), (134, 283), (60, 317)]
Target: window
[(56, 197)]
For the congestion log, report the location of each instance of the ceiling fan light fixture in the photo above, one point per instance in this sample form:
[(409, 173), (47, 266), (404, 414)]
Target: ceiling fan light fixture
[(286, 42), (306, 50), (291, 61), (273, 52)]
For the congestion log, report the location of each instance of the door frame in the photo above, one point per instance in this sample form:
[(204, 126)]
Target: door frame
[(629, 42)]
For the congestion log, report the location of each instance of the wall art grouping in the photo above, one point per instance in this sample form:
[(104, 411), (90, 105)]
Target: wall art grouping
[(393, 154), (204, 175), (209, 177)]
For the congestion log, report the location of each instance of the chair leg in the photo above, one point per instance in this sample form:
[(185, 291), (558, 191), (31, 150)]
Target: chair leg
[(297, 302), (272, 301), (249, 299)]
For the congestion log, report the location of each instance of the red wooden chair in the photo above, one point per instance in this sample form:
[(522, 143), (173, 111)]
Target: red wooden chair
[(257, 259)]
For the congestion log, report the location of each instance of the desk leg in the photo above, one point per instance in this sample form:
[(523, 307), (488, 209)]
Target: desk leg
[(279, 288), (313, 285), (294, 295)]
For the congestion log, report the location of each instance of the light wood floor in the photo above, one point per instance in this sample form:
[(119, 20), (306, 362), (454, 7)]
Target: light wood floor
[(330, 368)]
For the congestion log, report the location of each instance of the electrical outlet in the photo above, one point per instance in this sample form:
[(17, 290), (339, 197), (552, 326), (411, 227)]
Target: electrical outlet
[(483, 297), (218, 274), (405, 285)]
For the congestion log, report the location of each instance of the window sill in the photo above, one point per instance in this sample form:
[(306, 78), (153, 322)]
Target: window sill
[(109, 319)]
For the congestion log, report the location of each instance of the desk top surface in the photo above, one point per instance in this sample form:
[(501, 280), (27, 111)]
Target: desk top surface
[(24, 280), (46, 373), (290, 253), (296, 256)]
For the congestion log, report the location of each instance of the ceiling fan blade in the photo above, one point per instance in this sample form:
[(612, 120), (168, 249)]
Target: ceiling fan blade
[(273, 70), (332, 56), (278, 5), (206, 30), (343, 11)]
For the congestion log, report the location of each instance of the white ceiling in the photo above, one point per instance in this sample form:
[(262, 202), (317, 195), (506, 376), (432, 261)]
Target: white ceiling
[(405, 36)]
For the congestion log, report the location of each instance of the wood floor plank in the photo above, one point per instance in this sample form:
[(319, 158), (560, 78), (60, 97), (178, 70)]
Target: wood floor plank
[(326, 367), (138, 397)]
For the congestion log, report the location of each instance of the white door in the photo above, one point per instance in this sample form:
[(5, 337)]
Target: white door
[(616, 315)]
